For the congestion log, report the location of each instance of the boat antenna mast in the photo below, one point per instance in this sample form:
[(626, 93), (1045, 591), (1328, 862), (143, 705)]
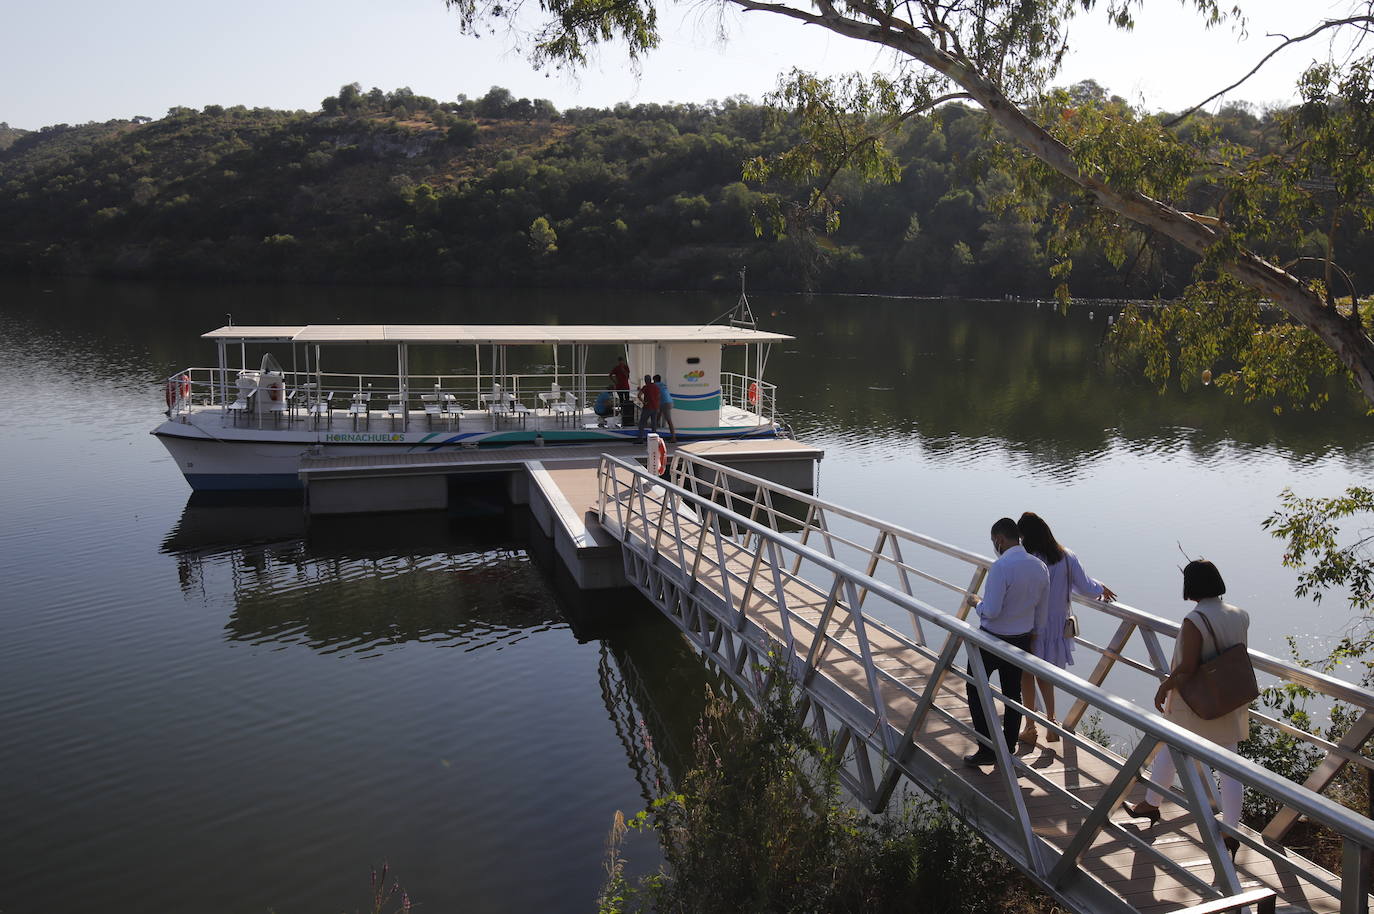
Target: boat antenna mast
[(743, 315)]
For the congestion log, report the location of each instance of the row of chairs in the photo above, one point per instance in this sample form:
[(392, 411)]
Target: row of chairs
[(314, 406)]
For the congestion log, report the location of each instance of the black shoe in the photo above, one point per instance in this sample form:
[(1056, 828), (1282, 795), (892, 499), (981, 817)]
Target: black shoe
[(1142, 811), (984, 756), (1232, 844)]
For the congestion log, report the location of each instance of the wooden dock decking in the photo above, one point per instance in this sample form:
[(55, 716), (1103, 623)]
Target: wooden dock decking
[(896, 707)]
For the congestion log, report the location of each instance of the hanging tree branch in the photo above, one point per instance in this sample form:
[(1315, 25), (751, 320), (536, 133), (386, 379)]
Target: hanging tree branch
[(1325, 26)]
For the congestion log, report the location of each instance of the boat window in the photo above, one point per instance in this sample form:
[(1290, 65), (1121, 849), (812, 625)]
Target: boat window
[(694, 360)]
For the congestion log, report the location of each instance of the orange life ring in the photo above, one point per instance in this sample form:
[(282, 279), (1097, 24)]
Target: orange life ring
[(660, 458), (178, 388), (753, 392)]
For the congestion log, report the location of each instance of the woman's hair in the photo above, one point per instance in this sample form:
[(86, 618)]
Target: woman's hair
[(1038, 539), (1201, 580)]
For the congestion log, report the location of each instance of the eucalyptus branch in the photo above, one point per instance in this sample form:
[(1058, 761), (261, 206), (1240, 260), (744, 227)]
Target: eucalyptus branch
[(1329, 264), (935, 103), (782, 10), (1329, 24)]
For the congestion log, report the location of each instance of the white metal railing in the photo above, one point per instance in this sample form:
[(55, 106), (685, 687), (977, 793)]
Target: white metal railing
[(211, 387), (722, 568), (749, 395), (1140, 642)]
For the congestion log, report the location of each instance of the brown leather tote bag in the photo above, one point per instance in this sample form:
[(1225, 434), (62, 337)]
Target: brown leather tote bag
[(1222, 684)]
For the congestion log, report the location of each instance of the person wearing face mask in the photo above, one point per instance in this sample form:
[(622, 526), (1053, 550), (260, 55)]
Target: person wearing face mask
[(1015, 584)]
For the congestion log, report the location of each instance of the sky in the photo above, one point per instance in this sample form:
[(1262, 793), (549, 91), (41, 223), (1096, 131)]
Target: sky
[(83, 60)]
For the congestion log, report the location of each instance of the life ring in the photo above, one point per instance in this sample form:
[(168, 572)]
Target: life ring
[(753, 392), (660, 458), (178, 388), (274, 390)]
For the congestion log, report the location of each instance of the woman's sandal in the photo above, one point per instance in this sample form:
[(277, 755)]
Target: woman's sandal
[(1029, 734), (1051, 734)]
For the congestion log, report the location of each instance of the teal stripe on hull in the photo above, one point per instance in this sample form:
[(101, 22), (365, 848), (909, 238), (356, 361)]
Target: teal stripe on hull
[(681, 404)]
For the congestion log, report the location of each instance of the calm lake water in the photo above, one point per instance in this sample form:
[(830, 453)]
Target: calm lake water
[(209, 707)]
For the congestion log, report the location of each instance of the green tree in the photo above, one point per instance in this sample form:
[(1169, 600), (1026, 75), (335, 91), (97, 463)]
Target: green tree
[(1000, 55), (543, 239)]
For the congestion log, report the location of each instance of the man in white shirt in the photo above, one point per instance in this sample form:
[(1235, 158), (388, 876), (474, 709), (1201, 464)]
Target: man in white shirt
[(1015, 584)]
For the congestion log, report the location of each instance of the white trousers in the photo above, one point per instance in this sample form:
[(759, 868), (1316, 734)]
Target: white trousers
[(1163, 771)]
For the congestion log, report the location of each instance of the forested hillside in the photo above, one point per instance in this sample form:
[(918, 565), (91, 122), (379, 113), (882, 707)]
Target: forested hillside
[(391, 186)]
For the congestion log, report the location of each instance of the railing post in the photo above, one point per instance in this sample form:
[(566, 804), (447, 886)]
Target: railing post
[(907, 743), (874, 555), (906, 588), (968, 602), (1099, 674), (1324, 774), (1355, 869), (1199, 800), (1005, 760), (1101, 813), (870, 668), (816, 654), (780, 598)]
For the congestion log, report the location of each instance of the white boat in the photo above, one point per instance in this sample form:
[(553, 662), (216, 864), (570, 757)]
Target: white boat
[(247, 427)]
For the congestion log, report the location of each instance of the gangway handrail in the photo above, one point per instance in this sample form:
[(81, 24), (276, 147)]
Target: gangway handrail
[(1129, 712), (1323, 682), (1337, 755), (667, 498)]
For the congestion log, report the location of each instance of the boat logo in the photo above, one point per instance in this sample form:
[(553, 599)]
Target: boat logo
[(336, 437), (694, 375)]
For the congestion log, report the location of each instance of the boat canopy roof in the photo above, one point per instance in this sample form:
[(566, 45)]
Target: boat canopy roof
[(511, 334)]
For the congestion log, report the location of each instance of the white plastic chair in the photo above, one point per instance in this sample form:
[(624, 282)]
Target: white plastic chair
[(361, 407), (321, 407), (247, 388), (565, 410), (395, 406)]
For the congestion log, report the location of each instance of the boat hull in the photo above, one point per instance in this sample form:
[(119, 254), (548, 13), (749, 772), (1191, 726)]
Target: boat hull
[(213, 457)]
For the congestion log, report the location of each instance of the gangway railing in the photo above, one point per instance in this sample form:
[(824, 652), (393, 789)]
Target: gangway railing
[(778, 573), (1139, 641)]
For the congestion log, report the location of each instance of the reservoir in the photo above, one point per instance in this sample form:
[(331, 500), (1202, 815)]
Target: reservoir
[(211, 706)]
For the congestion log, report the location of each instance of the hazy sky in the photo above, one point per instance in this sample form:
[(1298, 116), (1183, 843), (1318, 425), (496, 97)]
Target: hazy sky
[(84, 60)]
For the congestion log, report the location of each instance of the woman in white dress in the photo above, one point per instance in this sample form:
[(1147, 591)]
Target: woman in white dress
[(1210, 628), (1052, 643)]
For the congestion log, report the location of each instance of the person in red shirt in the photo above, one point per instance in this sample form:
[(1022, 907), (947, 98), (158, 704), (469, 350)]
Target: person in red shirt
[(648, 401), (620, 379)]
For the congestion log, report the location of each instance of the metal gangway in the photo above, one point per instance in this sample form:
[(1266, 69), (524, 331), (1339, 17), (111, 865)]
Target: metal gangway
[(868, 619)]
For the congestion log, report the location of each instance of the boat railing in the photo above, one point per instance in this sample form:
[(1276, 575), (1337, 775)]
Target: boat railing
[(750, 395), (211, 387), (1133, 648), (191, 387)]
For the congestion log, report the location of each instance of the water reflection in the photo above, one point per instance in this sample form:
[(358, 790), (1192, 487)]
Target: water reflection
[(362, 584), (959, 379), (654, 686), (147, 725)]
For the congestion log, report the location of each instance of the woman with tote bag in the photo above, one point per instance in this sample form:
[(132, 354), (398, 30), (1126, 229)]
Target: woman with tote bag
[(1207, 631)]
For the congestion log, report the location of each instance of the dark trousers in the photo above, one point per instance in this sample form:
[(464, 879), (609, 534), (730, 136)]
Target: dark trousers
[(1010, 677)]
